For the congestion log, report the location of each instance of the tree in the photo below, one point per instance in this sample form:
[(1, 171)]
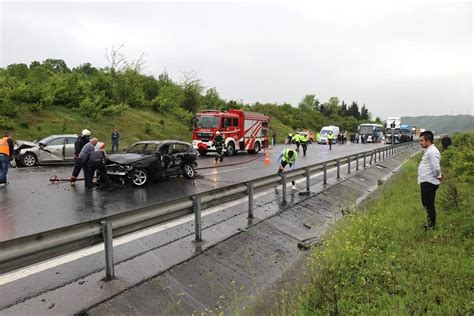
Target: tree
[(354, 110), (212, 100), (333, 104), (343, 109), (56, 65), (192, 89), (364, 113), (378, 120), (309, 102)]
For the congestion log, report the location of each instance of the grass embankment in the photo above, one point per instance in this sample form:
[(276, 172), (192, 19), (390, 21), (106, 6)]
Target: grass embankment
[(134, 125), (379, 260)]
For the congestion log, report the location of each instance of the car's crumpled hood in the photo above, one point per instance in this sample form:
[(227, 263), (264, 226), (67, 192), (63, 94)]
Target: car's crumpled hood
[(25, 143), (125, 158)]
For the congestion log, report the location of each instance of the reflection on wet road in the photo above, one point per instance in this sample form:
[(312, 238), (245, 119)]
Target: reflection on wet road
[(31, 203)]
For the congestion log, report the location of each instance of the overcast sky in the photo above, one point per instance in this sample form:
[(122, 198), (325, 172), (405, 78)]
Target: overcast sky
[(404, 58)]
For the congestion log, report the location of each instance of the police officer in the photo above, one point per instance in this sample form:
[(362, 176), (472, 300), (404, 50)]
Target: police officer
[(219, 144), (6, 154), (287, 157), (304, 143), (296, 141), (330, 139), (80, 142)]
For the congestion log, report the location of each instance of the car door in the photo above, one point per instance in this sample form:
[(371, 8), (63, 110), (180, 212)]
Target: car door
[(69, 149), (53, 151)]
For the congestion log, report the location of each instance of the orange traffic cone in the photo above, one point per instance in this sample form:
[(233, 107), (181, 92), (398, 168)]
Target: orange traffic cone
[(267, 157)]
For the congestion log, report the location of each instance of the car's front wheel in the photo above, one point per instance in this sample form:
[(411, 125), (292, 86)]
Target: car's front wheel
[(188, 171), (140, 177), (29, 160)]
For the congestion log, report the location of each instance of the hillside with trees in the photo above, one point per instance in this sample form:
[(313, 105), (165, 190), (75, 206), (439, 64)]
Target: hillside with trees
[(48, 97), (443, 124)]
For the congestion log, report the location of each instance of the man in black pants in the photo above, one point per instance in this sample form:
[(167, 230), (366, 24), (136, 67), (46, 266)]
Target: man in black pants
[(429, 176)]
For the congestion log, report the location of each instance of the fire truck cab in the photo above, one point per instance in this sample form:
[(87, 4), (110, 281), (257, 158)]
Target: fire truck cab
[(241, 131)]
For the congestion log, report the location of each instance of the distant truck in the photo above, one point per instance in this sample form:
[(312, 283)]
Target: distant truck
[(392, 129), (406, 133), (323, 138), (240, 130)]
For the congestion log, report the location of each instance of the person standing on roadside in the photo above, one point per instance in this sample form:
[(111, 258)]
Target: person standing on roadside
[(429, 177), (446, 142), (80, 142), (6, 154), (115, 139), (330, 139)]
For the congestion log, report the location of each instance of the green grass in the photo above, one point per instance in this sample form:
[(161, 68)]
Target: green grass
[(29, 125), (378, 260)]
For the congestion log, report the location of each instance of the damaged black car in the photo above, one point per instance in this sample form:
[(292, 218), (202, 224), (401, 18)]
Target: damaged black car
[(148, 161)]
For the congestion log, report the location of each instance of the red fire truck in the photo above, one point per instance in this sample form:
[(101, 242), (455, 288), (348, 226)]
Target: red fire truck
[(241, 131)]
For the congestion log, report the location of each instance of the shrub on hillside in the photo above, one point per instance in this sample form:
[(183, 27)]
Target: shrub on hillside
[(459, 157)]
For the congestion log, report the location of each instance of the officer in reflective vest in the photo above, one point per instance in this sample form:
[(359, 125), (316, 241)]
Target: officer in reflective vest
[(6, 154), (304, 143), (287, 157), (330, 140)]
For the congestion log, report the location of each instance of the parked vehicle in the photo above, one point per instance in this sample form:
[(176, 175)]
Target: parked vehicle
[(54, 149), (241, 131), (148, 161), (392, 129), (323, 139), (371, 129)]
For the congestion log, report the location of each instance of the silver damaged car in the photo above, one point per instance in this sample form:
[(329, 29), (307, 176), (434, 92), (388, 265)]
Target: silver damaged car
[(54, 149)]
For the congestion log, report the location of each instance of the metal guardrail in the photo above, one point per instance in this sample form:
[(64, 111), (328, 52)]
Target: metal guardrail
[(23, 251)]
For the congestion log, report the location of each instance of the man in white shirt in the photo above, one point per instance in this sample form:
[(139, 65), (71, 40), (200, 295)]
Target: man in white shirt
[(429, 176)]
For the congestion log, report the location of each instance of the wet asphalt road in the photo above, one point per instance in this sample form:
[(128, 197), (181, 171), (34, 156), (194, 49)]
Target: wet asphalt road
[(32, 204)]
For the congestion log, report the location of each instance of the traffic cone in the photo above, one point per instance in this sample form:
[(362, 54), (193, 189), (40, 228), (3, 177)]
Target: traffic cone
[(267, 157)]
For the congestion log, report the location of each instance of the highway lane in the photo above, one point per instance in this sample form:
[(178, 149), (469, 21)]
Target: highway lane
[(32, 204)]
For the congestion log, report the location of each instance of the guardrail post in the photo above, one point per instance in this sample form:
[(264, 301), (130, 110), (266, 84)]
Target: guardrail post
[(383, 153), (375, 156), (338, 168), (283, 188), (325, 173), (364, 160), (357, 162), (197, 218), (308, 179), (371, 157), (250, 195), (349, 165), (109, 250)]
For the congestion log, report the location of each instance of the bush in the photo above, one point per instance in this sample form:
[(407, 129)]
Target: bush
[(8, 109), (6, 123), (148, 128)]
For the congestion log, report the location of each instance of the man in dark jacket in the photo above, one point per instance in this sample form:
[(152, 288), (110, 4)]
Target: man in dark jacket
[(94, 160), (446, 142), (115, 140), (81, 141)]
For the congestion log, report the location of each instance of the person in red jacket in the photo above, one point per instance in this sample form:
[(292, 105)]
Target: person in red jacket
[(6, 154)]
